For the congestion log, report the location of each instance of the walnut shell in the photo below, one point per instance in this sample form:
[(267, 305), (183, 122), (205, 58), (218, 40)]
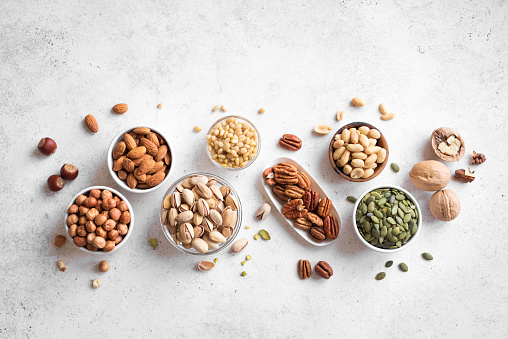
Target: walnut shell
[(445, 205), (430, 175), (441, 134)]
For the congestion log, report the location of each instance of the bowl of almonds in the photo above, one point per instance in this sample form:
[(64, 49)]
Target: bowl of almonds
[(358, 152), (139, 159)]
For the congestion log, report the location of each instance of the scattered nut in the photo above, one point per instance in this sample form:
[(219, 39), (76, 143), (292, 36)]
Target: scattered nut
[(382, 109), (445, 205), (340, 115), (197, 129), (263, 211), (96, 283), (430, 175), (478, 158), (216, 108), (304, 269), (69, 172), (120, 108), (223, 108), (91, 123), (323, 269), (358, 102), (464, 176), (61, 265), (322, 129), (262, 110), (55, 183), (243, 274), (239, 245), (47, 146), (290, 142), (159, 106), (205, 265), (104, 266), (387, 116), (60, 240), (447, 144), (153, 243)]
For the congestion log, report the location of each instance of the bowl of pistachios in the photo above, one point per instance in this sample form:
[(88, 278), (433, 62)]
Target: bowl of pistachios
[(387, 218)]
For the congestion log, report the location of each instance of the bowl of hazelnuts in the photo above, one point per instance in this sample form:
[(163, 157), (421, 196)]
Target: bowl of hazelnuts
[(99, 219)]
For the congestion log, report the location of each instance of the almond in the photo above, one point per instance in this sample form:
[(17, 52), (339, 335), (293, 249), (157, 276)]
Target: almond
[(140, 177), (156, 179), (118, 164), (129, 140), (128, 165), (120, 108), (138, 161), (146, 166), (162, 169), (156, 167), (119, 149), (141, 130), (161, 153), (137, 152), (153, 138), (151, 148), (91, 123), (167, 159), (131, 181)]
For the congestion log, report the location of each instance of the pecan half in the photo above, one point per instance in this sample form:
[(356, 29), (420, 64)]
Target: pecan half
[(317, 233), (286, 179), (311, 200), (304, 269), (331, 227), (303, 224), (323, 269), (294, 209), (324, 207), (290, 142), (278, 190), (303, 181), (269, 176), (285, 169), (294, 192), (315, 219)]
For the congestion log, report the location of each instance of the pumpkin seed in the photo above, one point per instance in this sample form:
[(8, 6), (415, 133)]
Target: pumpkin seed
[(389, 263), (427, 256), (264, 234), (378, 214), (403, 267), (351, 198), (395, 167), (380, 276)]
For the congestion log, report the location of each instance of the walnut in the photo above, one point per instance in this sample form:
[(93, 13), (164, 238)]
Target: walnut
[(464, 175), (445, 205), (447, 144), (478, 158)]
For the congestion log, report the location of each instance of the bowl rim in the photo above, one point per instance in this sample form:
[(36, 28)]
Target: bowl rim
[(238, 224), (413, 237), (377, 170), (258, 150), (131, 224), (110, 160)]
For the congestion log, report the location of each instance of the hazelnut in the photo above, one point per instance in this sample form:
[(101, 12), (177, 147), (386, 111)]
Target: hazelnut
[(109, 225), (73, 209), (105, 195), (55, 183), (61, 265), (100, 232), (82, 221), (99, 205), (122, 229), (47, 146), (104, 266), (90, 237), (96, 283), (72, 219), (95, 193), (92, 213), (81, 231), (90, 202), (69, 172), (98, 242), (80, 199), (106, 213), (79, 241), (125, 218), (110, 245), (60, 240), (115, 214), (90, 226), (117, 199), (122, 206), (83, 210), (72, 230), (118, 239), (109, 203), (100, 219), (113, 234), (91, 247)]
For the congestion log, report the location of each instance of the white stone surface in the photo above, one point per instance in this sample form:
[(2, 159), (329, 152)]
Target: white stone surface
[(433, 63)]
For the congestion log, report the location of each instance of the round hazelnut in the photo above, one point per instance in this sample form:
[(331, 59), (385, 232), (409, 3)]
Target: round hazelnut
[(80, 199), (125, 218), (108, 204), (90, 237), (104, 266), (83, 210), (69, 172), (90, 226), (72, 219), (100, 232), (109, 225), (98, 242), (82, 221), (118, 239), (117, 199), (91, 247), (90, 202), (95, 193), (81, 231), (112, 234), (122, 229), (106, 213), (92, 213), (100, 219), (61, 239), (73, 209), (79, 241), (122, 206), (99, 205), (55, 183), (110, 245), (115, 214), (47, 146), (105, 195), (72, 230)]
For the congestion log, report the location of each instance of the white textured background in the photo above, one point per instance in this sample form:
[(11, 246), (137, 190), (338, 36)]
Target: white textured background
[(435, 63)]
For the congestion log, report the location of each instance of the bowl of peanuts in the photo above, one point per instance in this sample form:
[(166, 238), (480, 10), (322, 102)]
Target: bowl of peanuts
[(358, 152), (233, 143)]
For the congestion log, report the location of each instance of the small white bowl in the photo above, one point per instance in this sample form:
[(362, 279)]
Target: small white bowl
[(413, 237), (125, 238), (114, 175)]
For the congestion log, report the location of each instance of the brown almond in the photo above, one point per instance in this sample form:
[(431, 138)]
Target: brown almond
[(151, 148), (138, 161), (118, 164), (129, 140), (139, 177), (146, 166), (131, 181), (163, 150), (91, 123), (153, 138), (120, 108), (162, 169), (119, 149), (128, 165), (143, 185), (155, 179), (156, 167), (167, 159), (137, 152), (141, 130)]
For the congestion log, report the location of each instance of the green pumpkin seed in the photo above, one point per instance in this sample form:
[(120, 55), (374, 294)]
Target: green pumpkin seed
[(399, 220), (264, 234), (378, 214), (400, 197), (381, 202), (364, 208), (427, 256), (403, 267), (367, 227), (376, 195), (368, 237), (370, 207), (374, 219), (351, 198), (380, 276), (407, 217), (391, 221), (383, 231), (376, 233), (369, 200), (373, 241), (396, 231), (389, 263), (395, 167)]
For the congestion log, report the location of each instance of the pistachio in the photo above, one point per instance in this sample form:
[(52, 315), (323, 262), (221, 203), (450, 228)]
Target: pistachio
[(217, 194), (173, 213), (264, 234), (207, 224), (203, 190), (239, 245), (172, 229), (243, 274), (212, 203), (263, 211), (228, 217), (200, 245), (198, 231), (176, 200), (164, 217), (186, 233), (187, 184), (194, 180), (203, 207), (205, 265), (166, 204), (227, 231), (221, 206), (216, 218), (225, 191), (217, 237), (197, 219), (183, 208), (212, 245), (211, 182), (179, 188), (188, 196), (176, 239), (232, 202), (184, 217)]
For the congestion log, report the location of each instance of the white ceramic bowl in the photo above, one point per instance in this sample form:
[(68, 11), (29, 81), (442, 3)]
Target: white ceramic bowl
[(123, 183), (125, 238), (413, 237)]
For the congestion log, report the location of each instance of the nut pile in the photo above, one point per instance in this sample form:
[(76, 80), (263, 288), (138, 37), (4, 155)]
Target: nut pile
[(142, 159), (357, 153), (199, 214), (232, 143), (309, 212), (322, 268), (98, 220)]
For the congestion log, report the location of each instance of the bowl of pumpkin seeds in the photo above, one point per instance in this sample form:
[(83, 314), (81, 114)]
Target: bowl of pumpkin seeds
[(387, 218)]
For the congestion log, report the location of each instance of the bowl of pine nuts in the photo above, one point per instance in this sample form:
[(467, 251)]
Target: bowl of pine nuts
[(233, 143)]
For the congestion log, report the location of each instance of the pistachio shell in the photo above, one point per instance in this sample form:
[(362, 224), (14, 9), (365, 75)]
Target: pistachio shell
[(217, 237), (203, 207), (205, 265), (239, 245), (197, 179), (176, 200), (186, 233), (207, 224), (203, 190), (227, 231), (173, 213), (228, 217), (216, 218), (184, 217), (232, 202), (263, 211), (188, 196), (212, 245), (217, 193), (197, 219), (200, 245)]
